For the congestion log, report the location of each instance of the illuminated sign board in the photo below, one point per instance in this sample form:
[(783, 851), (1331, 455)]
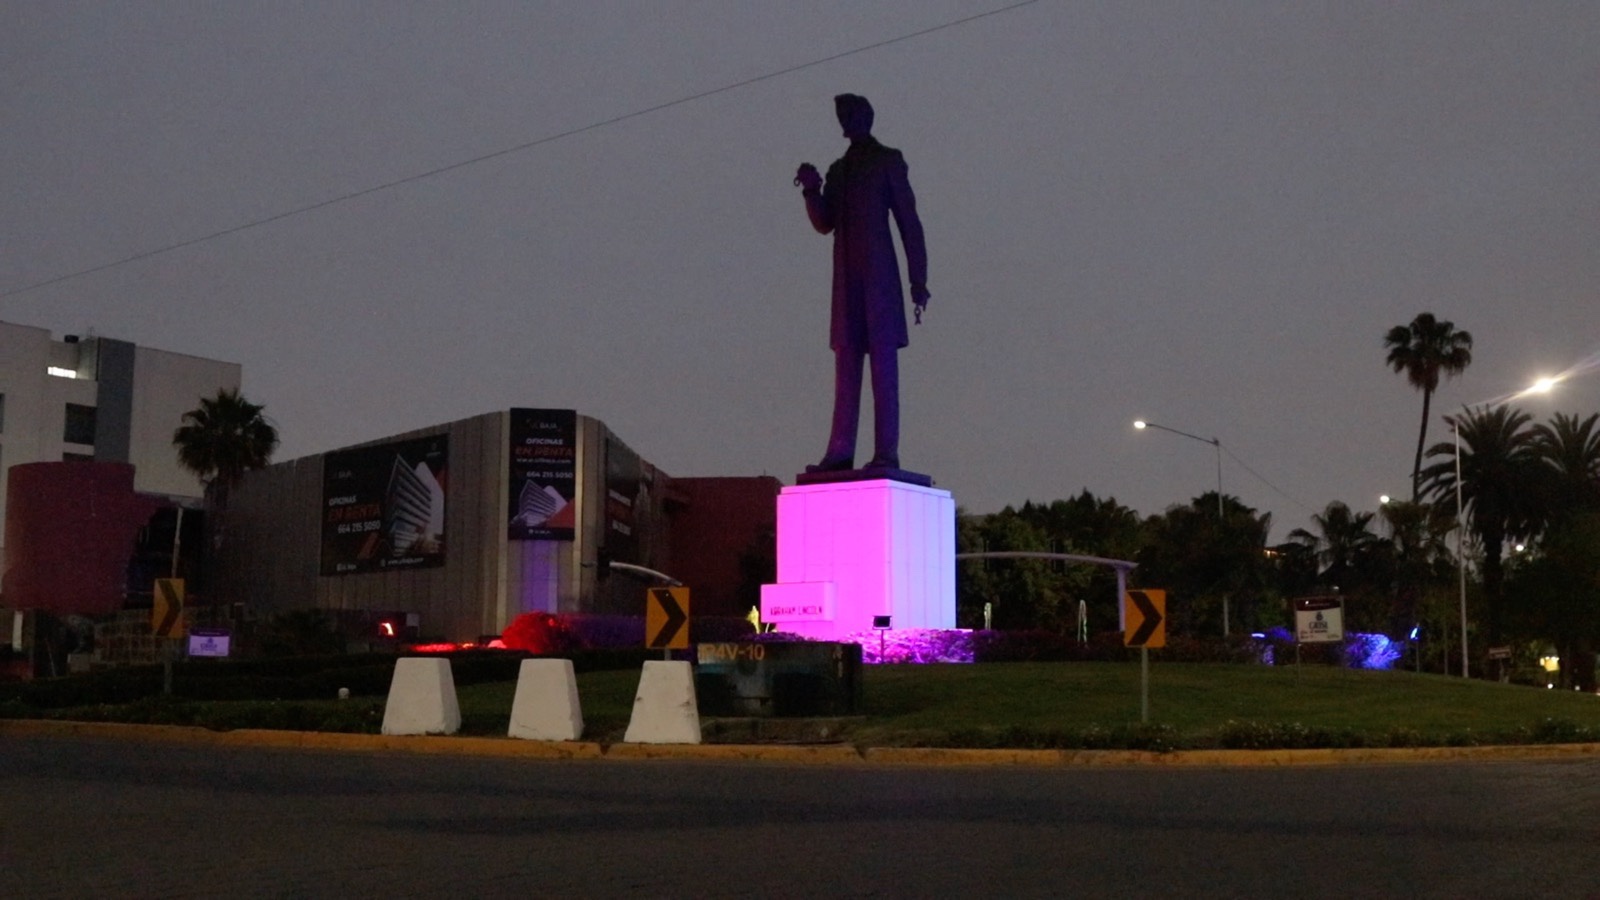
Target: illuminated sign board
[(383, 506)]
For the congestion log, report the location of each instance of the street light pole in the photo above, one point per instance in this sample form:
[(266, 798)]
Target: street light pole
[(1141, 425), (1461, 556)]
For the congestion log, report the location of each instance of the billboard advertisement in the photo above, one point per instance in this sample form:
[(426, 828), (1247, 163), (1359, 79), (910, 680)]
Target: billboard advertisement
[(383, 506), (544, 472)]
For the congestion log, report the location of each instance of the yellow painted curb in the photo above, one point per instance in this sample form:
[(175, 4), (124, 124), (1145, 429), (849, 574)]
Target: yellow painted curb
[(312, 740), (947, 756), (779, 753), (790, 753)]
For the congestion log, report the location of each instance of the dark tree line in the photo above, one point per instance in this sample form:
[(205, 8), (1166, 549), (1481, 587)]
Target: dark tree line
[(1527, 485)]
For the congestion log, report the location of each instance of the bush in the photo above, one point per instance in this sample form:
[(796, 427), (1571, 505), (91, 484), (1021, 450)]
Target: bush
[(1107, 646), (541, 633), (713, 629), (282, 679), (1283, 736)]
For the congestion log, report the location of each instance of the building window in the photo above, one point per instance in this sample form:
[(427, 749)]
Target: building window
[(76, 457), (2, 412), (80, 425)]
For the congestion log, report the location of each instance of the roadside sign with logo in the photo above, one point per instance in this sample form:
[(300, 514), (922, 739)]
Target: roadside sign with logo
[(1319, 620), (209, 642)]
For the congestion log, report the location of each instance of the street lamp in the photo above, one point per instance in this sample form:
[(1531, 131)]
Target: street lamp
[(1141, 425)]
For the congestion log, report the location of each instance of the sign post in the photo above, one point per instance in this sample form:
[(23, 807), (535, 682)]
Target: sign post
[(1317, 620), (1144, 616)]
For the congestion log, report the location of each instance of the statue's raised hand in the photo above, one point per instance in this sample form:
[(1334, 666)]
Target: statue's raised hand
[(808, 177)]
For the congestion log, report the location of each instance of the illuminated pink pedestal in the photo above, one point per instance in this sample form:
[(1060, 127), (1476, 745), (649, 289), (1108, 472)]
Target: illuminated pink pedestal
[(849, 551)]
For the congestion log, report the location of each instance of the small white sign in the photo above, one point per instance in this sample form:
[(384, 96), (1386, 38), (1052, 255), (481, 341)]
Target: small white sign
[(1319, 620), (797, 602), (209, 643)]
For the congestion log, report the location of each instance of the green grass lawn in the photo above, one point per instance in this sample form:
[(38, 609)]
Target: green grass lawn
[(1191, 701), (1091, 704), (1071, 704)]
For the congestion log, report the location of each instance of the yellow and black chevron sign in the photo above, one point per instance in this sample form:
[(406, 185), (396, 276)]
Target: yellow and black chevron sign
[(166, 616)]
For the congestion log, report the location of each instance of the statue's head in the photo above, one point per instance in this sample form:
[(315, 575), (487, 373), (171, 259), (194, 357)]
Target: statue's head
[(855, 115)]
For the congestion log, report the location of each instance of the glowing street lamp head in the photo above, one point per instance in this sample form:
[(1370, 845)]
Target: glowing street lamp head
[(1140, 423), (1543, 386)]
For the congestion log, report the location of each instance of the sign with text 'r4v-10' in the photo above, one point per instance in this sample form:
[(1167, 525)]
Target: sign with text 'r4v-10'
[(1144, 614)]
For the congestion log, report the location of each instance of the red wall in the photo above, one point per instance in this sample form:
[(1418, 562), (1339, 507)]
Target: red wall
[(70, 530), (716, 523)]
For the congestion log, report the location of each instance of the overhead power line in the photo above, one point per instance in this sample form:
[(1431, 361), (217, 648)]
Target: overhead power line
[(1259, 477), (529, 145)]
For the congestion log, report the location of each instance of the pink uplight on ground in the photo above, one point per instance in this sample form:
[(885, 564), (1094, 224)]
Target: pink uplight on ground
[(851, 551)]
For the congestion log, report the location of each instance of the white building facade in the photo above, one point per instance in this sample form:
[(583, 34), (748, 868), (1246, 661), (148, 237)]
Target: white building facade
[(96, 398)]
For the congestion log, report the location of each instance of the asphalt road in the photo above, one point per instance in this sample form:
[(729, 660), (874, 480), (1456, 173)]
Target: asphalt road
[(91, 817)]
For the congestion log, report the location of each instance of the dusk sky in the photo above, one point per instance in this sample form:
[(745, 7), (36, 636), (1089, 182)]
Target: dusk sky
[(1206, 215)]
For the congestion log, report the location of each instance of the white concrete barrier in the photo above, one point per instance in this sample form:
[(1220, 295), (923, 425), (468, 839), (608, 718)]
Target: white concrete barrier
[(545, 707), (664, 709), (422, 698)]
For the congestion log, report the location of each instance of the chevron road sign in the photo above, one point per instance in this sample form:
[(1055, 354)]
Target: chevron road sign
[(666, 618), (1145, 613), (166, 615)]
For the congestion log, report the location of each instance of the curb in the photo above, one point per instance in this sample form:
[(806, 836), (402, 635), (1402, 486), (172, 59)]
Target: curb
[(793, 754), (944, 756)]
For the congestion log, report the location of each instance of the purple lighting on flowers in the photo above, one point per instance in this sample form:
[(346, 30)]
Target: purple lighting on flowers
[(1370, 651), (913, 645)]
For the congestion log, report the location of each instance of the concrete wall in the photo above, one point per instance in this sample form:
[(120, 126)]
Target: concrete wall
[(271, 558), (727, 516)]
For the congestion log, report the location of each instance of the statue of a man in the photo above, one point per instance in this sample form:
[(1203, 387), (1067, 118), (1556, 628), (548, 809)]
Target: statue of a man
[(863, 188)]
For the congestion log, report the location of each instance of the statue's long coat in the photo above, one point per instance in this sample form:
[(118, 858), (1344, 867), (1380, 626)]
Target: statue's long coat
[(863, 188)]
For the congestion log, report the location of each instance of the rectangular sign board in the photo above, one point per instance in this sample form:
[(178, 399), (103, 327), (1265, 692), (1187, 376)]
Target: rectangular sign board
[(1144, 613), (543, 475), (1319, 620), (383, 506), (209, 642), (666, 618), (166, 611)]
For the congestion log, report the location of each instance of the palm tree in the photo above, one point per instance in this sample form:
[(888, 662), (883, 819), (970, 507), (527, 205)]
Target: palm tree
[(1571, 448), (1503, 479), (221, 440), (1345, 542), (1421, 556), (1424, 350)]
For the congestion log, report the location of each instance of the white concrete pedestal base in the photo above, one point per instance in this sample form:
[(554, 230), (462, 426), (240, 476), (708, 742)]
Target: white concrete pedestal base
[(664, 709), (851, 551), (422, 698), (545, 707)]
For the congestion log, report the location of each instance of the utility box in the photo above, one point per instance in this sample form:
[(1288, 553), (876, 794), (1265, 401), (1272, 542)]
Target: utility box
[(778, 678)]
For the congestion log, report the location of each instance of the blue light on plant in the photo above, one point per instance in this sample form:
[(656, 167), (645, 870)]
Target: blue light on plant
[(1371, 651)]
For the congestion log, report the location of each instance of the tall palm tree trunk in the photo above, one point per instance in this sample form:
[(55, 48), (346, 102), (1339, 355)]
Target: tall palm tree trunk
[(1422, 439)]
